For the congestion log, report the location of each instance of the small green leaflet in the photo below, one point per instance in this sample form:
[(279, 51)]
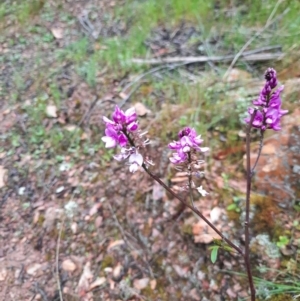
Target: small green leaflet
[(214, 253)]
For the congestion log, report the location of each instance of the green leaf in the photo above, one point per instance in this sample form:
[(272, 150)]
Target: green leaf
[(283, 241), (236, 199), (214, 254), (231, 207)]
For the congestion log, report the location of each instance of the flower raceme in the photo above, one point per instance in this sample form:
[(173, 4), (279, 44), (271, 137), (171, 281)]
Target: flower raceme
[(188, 142), (116, 128), (186, 156), (269, 110), (123, 130)]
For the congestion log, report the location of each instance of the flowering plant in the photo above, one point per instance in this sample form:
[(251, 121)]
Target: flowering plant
[(269, 111), (123, 130)]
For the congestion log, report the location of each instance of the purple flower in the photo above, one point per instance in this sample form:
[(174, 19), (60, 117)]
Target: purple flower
[(271, 77), (258, 119), (273, 116), (188, 141), (272, 119), (275, 100), (178, 157), (117, 127), (123, 120), (122, 130), (269, 111), (113, 138)]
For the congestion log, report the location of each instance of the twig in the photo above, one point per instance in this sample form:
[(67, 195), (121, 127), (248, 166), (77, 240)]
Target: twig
[(269, 22), (264, 49), (186, 61), (247, 235), (204, 59), (57, 262)]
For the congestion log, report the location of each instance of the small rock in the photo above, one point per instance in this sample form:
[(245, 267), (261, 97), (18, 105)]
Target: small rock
[(51, 111), (153, 283), (204, 238), (98, 221), (74, 228), (108, 270), (140, 284), (215, 214), (33, 268), (3, 274), (68, 265), (21, 190), (117, 272), (71, 127), (60, 189), (237, 75), (57, 32), (140, 109)]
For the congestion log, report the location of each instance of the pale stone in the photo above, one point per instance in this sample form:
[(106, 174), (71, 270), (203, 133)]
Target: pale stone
[(33, 268), (141, 283), (51, 111), (3, 274), (68, 265)]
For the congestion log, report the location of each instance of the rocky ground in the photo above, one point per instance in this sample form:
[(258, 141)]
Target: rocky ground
[(76, 225)]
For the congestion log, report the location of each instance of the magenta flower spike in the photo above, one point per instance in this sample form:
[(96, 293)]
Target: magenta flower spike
[(268, 112), (188, 142), (116, 128), (122, 130)]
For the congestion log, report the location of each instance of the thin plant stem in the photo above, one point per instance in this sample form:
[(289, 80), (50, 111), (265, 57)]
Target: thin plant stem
[(196, 211), (259, 151), (247, 235), (190, 181)]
